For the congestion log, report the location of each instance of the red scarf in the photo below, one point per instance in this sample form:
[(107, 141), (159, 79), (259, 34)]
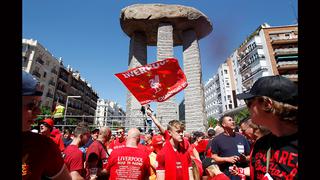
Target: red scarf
[(171, 159)]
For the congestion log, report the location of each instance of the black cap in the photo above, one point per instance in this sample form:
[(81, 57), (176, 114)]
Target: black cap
[(276, 87), (30, 85), (207, 162)]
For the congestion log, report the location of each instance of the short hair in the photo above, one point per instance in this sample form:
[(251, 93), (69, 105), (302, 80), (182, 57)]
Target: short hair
[(121, 127), (66, 131), (211, 132), (222, 118), (81, 129), (175, 123), (244, 120), (285, 112)]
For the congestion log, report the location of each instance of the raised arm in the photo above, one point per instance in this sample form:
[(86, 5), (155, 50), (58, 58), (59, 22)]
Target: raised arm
[(156, 122)]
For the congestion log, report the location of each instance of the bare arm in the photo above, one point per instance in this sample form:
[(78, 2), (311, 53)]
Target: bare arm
[(63, 174), (160, 175), (196, 154), (76, 176), (156, 122), (231, 159)]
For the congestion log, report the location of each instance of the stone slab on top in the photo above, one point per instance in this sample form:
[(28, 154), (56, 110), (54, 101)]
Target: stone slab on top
[(146, 18)]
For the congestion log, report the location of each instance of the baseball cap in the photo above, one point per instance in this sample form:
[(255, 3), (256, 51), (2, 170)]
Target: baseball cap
[(276, 87), (157, 139), (49, 121), (30, 85), (207, 162), (95, 130)]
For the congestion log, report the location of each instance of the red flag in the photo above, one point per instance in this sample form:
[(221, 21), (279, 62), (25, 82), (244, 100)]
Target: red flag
[(157, 81)]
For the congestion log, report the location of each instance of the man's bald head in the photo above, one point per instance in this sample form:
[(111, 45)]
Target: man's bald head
[(133, 133), (133, 137)]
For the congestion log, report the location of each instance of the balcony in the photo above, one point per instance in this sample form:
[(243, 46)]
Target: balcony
[(285, 51), (284, 40), (40, 61), (54, 71), (287, 65), (49, 95), (36, 73), (52, 83)]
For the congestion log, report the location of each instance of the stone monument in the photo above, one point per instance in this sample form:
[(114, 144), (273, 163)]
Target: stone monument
[(166, 26)]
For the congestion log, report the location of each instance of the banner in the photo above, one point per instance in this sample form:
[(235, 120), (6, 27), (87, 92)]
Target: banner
[(156, 82)]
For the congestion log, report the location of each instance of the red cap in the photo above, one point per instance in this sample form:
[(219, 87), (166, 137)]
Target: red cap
[(49, 121), (157, 139)]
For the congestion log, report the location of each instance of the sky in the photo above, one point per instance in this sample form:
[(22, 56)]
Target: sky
[(88, 37)]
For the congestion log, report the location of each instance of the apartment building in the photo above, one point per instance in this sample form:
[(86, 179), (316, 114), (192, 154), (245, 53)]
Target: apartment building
[(282, 44), (109, 113), (212, 94), (38, 61), (82, 99), (267, 51), (254, 59), (59, 83)]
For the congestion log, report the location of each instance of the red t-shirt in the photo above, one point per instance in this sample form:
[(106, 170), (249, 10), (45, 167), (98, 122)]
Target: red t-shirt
[(73, 159), (128, 163), (40, 156), (161, 162), (145, 148), (97, 148), (56, 136), (116, 144), (201, 147)]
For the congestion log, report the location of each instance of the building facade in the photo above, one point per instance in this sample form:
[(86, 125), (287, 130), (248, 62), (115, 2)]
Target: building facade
[(109, 113), (59, 83), (282, 44), (39, 62), (267, 51)]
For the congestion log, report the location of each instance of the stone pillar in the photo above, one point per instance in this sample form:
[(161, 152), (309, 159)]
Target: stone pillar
[(168, 110), (137, 57), (194, 95)]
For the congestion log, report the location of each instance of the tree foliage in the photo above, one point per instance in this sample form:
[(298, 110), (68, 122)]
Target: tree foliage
[(241, 115), (212, 122)]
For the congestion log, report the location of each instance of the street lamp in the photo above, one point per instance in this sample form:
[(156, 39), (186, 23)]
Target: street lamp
[(65, 112)]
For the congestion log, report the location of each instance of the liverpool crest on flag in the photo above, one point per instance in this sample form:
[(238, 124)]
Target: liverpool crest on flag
[(155, 82)]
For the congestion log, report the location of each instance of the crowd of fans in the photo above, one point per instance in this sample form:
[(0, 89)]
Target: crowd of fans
[(264, 146)]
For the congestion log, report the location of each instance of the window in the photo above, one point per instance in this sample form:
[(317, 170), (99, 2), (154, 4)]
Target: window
[(225, 71), (24, 59), (25, 47), (230, 106), (44, 74)]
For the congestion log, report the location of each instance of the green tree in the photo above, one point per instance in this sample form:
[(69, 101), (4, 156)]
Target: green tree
[(212, 122), (72, 121), (45, 112), (241, 115)]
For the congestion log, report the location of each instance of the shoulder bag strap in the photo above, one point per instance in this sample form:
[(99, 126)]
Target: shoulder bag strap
[(268, 158)]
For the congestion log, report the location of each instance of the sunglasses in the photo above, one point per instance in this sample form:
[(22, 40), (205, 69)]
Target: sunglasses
[(119, 132)]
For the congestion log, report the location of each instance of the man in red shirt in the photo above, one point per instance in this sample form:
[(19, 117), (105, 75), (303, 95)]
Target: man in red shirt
[(97, 153), (120, 140), (41, 158), (174, 161), (73, 157), (129, 162), (47, 129)]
